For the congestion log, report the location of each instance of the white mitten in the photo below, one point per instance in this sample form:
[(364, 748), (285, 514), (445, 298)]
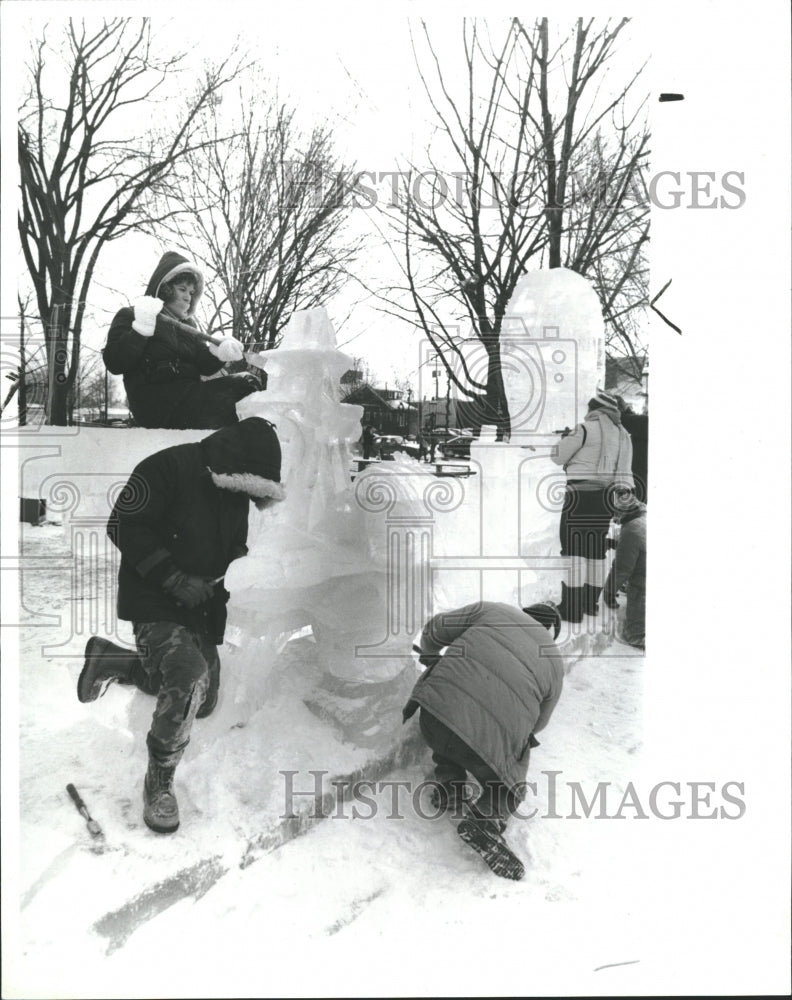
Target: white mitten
[(146, 309), (228, 350)]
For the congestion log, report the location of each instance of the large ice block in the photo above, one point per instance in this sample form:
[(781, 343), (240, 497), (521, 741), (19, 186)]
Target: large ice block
[(552, 352)]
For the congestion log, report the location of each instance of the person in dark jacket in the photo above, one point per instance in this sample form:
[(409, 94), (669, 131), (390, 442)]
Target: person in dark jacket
[(370, 441), (179, 522), (629, 569), (482, 700), (637, 426), (165, 364)]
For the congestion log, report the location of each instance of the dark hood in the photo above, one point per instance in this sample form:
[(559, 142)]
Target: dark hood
[(246, 458), (170, 265), (547, 615)]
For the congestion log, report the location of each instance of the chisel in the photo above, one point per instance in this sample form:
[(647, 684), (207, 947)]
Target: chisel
[(93, 826)]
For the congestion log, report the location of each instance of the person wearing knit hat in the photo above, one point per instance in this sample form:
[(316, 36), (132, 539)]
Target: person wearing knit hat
[(606, 400), (180, 521), (629, 569), (597, 459), (165, 367)]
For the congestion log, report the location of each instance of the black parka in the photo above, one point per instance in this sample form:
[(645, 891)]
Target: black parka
[(172, 515), (162, 373)]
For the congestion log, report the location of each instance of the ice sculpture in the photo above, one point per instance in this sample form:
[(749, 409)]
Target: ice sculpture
[(314, 559), (552, 352)]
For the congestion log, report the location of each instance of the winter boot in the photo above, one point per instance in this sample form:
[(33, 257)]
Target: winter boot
[(571, 606), (485, 837), (590, 597), (104, 663), (160, 808)]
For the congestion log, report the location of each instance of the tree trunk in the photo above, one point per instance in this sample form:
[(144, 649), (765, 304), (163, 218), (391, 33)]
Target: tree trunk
[(496, 392), (59, 382)]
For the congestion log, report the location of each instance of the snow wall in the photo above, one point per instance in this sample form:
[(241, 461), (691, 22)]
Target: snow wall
[(361, 563)]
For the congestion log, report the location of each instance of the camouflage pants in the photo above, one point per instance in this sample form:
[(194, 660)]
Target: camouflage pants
[(182, 669)]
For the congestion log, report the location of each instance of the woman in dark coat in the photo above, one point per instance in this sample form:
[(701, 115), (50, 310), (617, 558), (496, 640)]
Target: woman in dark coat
[(164, 365)]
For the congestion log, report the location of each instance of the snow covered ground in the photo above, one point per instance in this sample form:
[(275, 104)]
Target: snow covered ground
[(612, 904)]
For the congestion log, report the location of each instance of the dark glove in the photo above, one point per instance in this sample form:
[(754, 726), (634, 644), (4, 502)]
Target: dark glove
[(187, 589), (610, 600)]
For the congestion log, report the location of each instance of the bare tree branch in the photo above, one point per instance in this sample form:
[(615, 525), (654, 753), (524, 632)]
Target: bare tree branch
[(540, 179), (266, 212)]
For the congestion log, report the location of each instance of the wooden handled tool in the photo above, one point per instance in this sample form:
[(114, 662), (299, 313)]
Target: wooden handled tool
[(93, 826), (252, 357)]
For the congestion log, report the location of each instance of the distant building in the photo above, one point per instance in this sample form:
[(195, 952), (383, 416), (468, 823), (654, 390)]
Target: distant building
[(386, 408), (471, 414), (351, 380)]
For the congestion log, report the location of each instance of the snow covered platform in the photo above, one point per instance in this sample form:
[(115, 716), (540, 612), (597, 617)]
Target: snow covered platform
[(79, 471)]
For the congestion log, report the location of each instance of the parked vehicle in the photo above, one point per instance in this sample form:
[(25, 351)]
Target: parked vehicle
[(388, 443), (456, 445)]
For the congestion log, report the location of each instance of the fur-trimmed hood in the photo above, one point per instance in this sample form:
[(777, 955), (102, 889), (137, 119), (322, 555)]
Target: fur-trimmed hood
[(246, 482), (171, 264), (246, 458)]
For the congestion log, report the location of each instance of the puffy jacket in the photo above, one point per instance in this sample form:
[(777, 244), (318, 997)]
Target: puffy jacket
[(186, 508), (161, 372), (495, 686), (598, 451)]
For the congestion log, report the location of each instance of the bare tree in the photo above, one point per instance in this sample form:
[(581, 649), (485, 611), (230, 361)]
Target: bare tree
[(265, 212), (94, 388), (84, 167), (605, 235), (594, 165), (517, 197)]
